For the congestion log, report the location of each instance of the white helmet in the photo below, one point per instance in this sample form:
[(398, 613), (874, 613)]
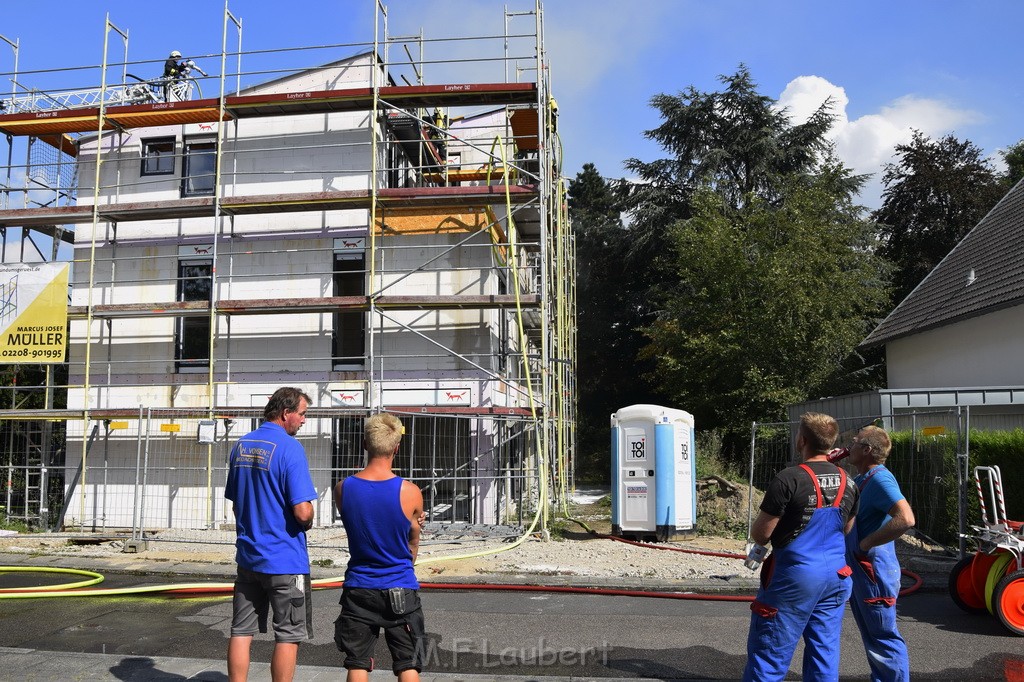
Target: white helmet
[(175, 54)]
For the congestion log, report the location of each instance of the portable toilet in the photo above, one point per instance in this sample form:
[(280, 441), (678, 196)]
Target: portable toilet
[(654, 472)]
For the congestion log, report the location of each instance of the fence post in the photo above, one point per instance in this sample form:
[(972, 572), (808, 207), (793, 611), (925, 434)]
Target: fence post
[(963, 474), (137, 543), (145, 472), (136, 519), (750, 478)]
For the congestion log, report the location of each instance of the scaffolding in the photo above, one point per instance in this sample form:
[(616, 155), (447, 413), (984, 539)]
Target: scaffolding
[(343, 225)]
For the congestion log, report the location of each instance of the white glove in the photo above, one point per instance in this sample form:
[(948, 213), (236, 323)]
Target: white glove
[(755, 555)]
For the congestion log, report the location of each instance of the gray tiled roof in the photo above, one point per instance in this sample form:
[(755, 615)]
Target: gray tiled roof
[(993, 250)]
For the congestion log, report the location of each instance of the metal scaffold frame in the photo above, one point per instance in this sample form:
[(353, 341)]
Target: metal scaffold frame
[(509, 211)]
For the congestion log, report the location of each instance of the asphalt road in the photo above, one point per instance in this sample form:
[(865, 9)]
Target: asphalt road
[(510, 633)]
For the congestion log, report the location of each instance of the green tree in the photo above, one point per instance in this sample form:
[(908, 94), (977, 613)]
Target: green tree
[(1014, 158), (759, 272), (609, 337), (770, 300), (935, 192)]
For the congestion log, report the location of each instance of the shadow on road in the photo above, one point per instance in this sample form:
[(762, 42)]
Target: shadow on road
[(139, 668)]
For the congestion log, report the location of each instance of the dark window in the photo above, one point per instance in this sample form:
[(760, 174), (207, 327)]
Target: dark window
[(503, 336), (158, 156), (192, 335), (349, 326), (200, 167)]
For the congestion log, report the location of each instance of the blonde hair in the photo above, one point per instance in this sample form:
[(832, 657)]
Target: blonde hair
[(819, 430), (381, 434), (878, 440)]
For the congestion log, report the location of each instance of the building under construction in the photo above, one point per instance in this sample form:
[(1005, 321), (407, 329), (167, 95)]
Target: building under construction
[(344, 225)]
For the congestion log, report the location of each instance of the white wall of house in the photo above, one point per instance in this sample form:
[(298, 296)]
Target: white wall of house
[(271, 256), (981, 351), (182, 486)]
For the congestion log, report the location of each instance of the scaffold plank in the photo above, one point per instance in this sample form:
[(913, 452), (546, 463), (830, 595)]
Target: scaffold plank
[(202, 207), (429, 220), (325, 304)]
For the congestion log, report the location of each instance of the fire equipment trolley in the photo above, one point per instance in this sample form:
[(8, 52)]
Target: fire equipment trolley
[(992, 579)]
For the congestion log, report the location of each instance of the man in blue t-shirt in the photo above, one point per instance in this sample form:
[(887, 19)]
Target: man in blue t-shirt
[(382, 515), (884, 515), (271, 488)]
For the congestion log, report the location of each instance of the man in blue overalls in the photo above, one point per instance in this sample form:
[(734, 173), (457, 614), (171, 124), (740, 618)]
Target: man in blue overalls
[(806, 511), (883, 516)]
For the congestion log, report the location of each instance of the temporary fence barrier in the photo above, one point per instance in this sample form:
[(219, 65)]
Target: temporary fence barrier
[(930, 459)]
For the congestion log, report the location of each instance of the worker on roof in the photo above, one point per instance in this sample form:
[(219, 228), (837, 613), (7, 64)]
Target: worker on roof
[(172, 67)]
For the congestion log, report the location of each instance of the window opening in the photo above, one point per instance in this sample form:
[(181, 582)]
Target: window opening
[(349, 342), (192, 335), (199, 169), (158, 156)]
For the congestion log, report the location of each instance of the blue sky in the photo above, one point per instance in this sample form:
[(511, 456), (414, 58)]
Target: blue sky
[(941, 66)]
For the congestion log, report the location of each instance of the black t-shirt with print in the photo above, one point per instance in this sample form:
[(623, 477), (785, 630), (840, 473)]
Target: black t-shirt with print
[(791, 497)]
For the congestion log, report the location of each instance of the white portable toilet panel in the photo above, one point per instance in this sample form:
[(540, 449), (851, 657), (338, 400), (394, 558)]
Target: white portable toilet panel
[(653, 472)]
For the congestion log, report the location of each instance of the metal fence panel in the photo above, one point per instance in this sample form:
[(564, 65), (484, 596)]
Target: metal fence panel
[(923, 459), (155, 478)]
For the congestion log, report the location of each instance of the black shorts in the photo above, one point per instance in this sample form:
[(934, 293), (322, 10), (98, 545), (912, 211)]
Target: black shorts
[(363, 613), (286, 595)]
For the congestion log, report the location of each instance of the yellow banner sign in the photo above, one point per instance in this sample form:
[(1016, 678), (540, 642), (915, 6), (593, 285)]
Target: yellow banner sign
[(933, 430), (33, 312)]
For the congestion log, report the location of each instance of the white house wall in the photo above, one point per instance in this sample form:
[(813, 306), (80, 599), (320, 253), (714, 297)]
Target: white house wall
[(170, 476), (982, 351), (277, 255)]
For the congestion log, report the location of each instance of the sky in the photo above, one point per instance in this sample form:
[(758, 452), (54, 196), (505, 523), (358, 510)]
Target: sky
[(938, 66)]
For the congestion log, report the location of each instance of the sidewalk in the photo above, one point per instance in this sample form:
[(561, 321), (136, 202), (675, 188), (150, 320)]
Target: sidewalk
[(37, 666)]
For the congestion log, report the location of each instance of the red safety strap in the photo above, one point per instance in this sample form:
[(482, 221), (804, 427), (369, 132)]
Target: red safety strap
[(817, 488)]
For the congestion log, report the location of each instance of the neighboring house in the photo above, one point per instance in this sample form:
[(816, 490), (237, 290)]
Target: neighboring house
[(957, 339), (397, 250)]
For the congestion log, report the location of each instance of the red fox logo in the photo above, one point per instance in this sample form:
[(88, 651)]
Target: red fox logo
[(461, 395), (205, 126), (347, 397), (200, 250)]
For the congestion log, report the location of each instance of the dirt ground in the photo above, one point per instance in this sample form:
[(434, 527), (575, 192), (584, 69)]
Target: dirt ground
[(574, 548)]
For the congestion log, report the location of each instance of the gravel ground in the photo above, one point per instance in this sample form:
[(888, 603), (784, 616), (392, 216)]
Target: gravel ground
[(443, 554), (462, 555)]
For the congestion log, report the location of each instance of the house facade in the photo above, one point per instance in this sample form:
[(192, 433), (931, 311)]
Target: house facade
[(379, 246)]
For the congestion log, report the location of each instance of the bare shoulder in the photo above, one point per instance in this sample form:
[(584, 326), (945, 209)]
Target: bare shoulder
[(410, 489)]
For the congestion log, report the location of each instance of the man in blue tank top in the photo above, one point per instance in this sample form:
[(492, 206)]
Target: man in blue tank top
[(271, 488), (382, 515)]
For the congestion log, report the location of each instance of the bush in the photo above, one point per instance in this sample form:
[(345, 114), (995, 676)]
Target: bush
[(926, 468), (711, 460)]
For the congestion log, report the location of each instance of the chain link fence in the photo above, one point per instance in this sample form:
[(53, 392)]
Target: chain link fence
[(160, 476), (930, 458)]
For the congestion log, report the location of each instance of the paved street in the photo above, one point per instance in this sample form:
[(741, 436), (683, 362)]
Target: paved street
[(493, 634)]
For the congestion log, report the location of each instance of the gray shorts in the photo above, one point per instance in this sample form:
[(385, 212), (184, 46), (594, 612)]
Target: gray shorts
[(287, 596)]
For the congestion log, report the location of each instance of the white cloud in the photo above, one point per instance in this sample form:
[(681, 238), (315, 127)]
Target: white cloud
[(866, 143)]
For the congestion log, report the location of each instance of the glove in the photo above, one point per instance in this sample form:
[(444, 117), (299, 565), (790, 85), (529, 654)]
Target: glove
[(865, 564), (755, 555)]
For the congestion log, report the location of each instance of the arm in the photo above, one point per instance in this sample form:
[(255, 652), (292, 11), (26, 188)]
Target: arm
[(902, 520), (764, 525), (303, 513), (852, 520), (412, 505), (337, 495)]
